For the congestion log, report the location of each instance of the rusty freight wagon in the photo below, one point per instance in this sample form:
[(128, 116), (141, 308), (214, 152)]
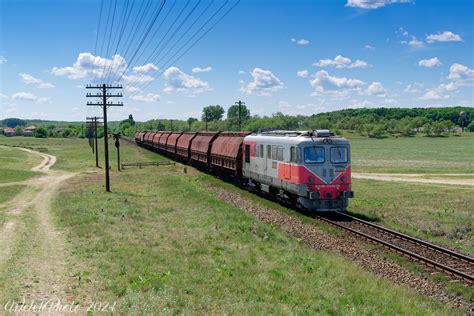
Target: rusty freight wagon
[(226, 151), (162, 142), (201, 147), (171, 142), (154, 142), (183, 144), (149, 139)]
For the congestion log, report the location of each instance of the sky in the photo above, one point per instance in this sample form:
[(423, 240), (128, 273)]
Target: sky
[(294, 57)]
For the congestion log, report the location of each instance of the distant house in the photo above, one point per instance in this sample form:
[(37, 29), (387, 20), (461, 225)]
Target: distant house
[(28, 131), (8, 131)]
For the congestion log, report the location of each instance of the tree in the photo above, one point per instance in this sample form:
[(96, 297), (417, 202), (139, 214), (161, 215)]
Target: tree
[(131, 120), (470, 127), (233, 112), (40, 132), (190, 121), (19, 130), (212, 113), (14, 122)]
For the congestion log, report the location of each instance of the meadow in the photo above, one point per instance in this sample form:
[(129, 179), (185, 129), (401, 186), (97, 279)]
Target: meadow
[(161, 241)]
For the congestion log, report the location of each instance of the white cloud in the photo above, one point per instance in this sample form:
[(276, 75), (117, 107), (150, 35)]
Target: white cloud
[(199, 69), (300, 41), (179, 82), (264, 82), (460, 72), (241, 72), (132, 89), (29, 79), (137, 79), (430, 63), (446, 36), (369, 47), (415, 43), (324, 82), (440, 92), (341, 62), (27, 96), (3, 60), (413, 88), (303, 73), (88, 66), (150, 97), (372, 4), (3, 96), (145, 68), (376, 88)]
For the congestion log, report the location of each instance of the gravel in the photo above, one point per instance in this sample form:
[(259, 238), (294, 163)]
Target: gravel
[(347, 245)]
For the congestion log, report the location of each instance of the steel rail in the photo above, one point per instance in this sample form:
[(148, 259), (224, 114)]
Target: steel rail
[(429, 262)]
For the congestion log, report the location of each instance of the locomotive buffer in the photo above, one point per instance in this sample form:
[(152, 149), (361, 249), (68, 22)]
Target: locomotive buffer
[(105, 95)]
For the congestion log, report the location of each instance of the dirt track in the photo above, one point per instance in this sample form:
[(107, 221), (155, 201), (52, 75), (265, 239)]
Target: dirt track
[(29, 225), (415, 178)]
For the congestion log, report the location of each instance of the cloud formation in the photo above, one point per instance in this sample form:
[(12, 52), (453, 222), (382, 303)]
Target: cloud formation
[(3, 60), (199, 69), (430, 63), (446, 36), (180, 82), (376, 88), (145, 68), (341, 62), (29, 79), (301, 41), (150, 97), (323, 82), (303, 73), (372, 4), (263, 84)]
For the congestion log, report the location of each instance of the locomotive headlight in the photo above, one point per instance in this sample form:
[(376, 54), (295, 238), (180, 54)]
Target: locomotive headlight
[(311, 179), (343, 179)]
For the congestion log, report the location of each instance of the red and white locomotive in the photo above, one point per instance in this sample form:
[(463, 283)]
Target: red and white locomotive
[(309, 169)]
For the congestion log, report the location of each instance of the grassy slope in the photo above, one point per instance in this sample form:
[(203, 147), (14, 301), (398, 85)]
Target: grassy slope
[(413, 154)]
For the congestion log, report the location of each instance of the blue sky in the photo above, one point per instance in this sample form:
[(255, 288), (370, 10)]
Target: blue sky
[(295, 57)]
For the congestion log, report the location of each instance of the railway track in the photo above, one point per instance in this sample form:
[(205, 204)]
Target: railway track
[(454, 264)]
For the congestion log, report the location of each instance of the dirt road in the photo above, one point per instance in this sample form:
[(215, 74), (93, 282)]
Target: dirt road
[(33, 253), (416, 178)]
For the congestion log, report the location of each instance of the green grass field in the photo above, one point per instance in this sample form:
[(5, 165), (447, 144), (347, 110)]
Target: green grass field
[(413, 154), (15, 165), (160, 241)]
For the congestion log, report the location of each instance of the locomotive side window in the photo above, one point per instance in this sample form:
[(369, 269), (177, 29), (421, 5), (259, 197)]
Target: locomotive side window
[(269, 152), (314, 154), (247, 153), (280, 153), (293, 157), (262, 152), (274, 152), (338, 154)]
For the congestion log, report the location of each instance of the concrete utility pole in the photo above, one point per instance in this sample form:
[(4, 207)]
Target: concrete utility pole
[(104, 95), (240, 103), (117, 137)]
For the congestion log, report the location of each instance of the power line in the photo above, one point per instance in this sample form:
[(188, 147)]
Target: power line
[(193, 44), (110, 37)]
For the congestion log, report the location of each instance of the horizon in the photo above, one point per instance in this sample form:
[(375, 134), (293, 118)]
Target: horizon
[(307, 63)]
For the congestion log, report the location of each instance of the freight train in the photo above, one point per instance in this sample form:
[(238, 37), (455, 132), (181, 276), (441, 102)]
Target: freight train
[(309, 169)]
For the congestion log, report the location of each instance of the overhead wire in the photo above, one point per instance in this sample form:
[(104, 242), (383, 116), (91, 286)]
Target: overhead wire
[(172, 61), (108, 43)]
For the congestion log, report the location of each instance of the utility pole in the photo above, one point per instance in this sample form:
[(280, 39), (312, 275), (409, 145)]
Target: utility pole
[(105, 95), (240, 103), (171, 121), (93, 120), (116, 137), (205, 114), (89, 135)]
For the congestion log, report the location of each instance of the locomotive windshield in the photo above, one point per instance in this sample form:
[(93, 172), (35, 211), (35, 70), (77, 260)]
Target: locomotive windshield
[(338, 154), (314, 154)]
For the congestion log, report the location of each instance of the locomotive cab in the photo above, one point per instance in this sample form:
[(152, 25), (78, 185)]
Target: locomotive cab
[(310, 168)]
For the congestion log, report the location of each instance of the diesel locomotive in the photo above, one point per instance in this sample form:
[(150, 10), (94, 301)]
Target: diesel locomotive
[(309, 169)]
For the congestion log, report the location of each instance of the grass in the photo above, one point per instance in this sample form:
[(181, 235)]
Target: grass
[(15, 165), (8, 192), (74, 154), (161, 243), (441, 214), (413, 154)]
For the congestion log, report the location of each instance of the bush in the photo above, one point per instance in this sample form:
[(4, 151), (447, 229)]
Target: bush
[(470, 127), (40, 132)]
